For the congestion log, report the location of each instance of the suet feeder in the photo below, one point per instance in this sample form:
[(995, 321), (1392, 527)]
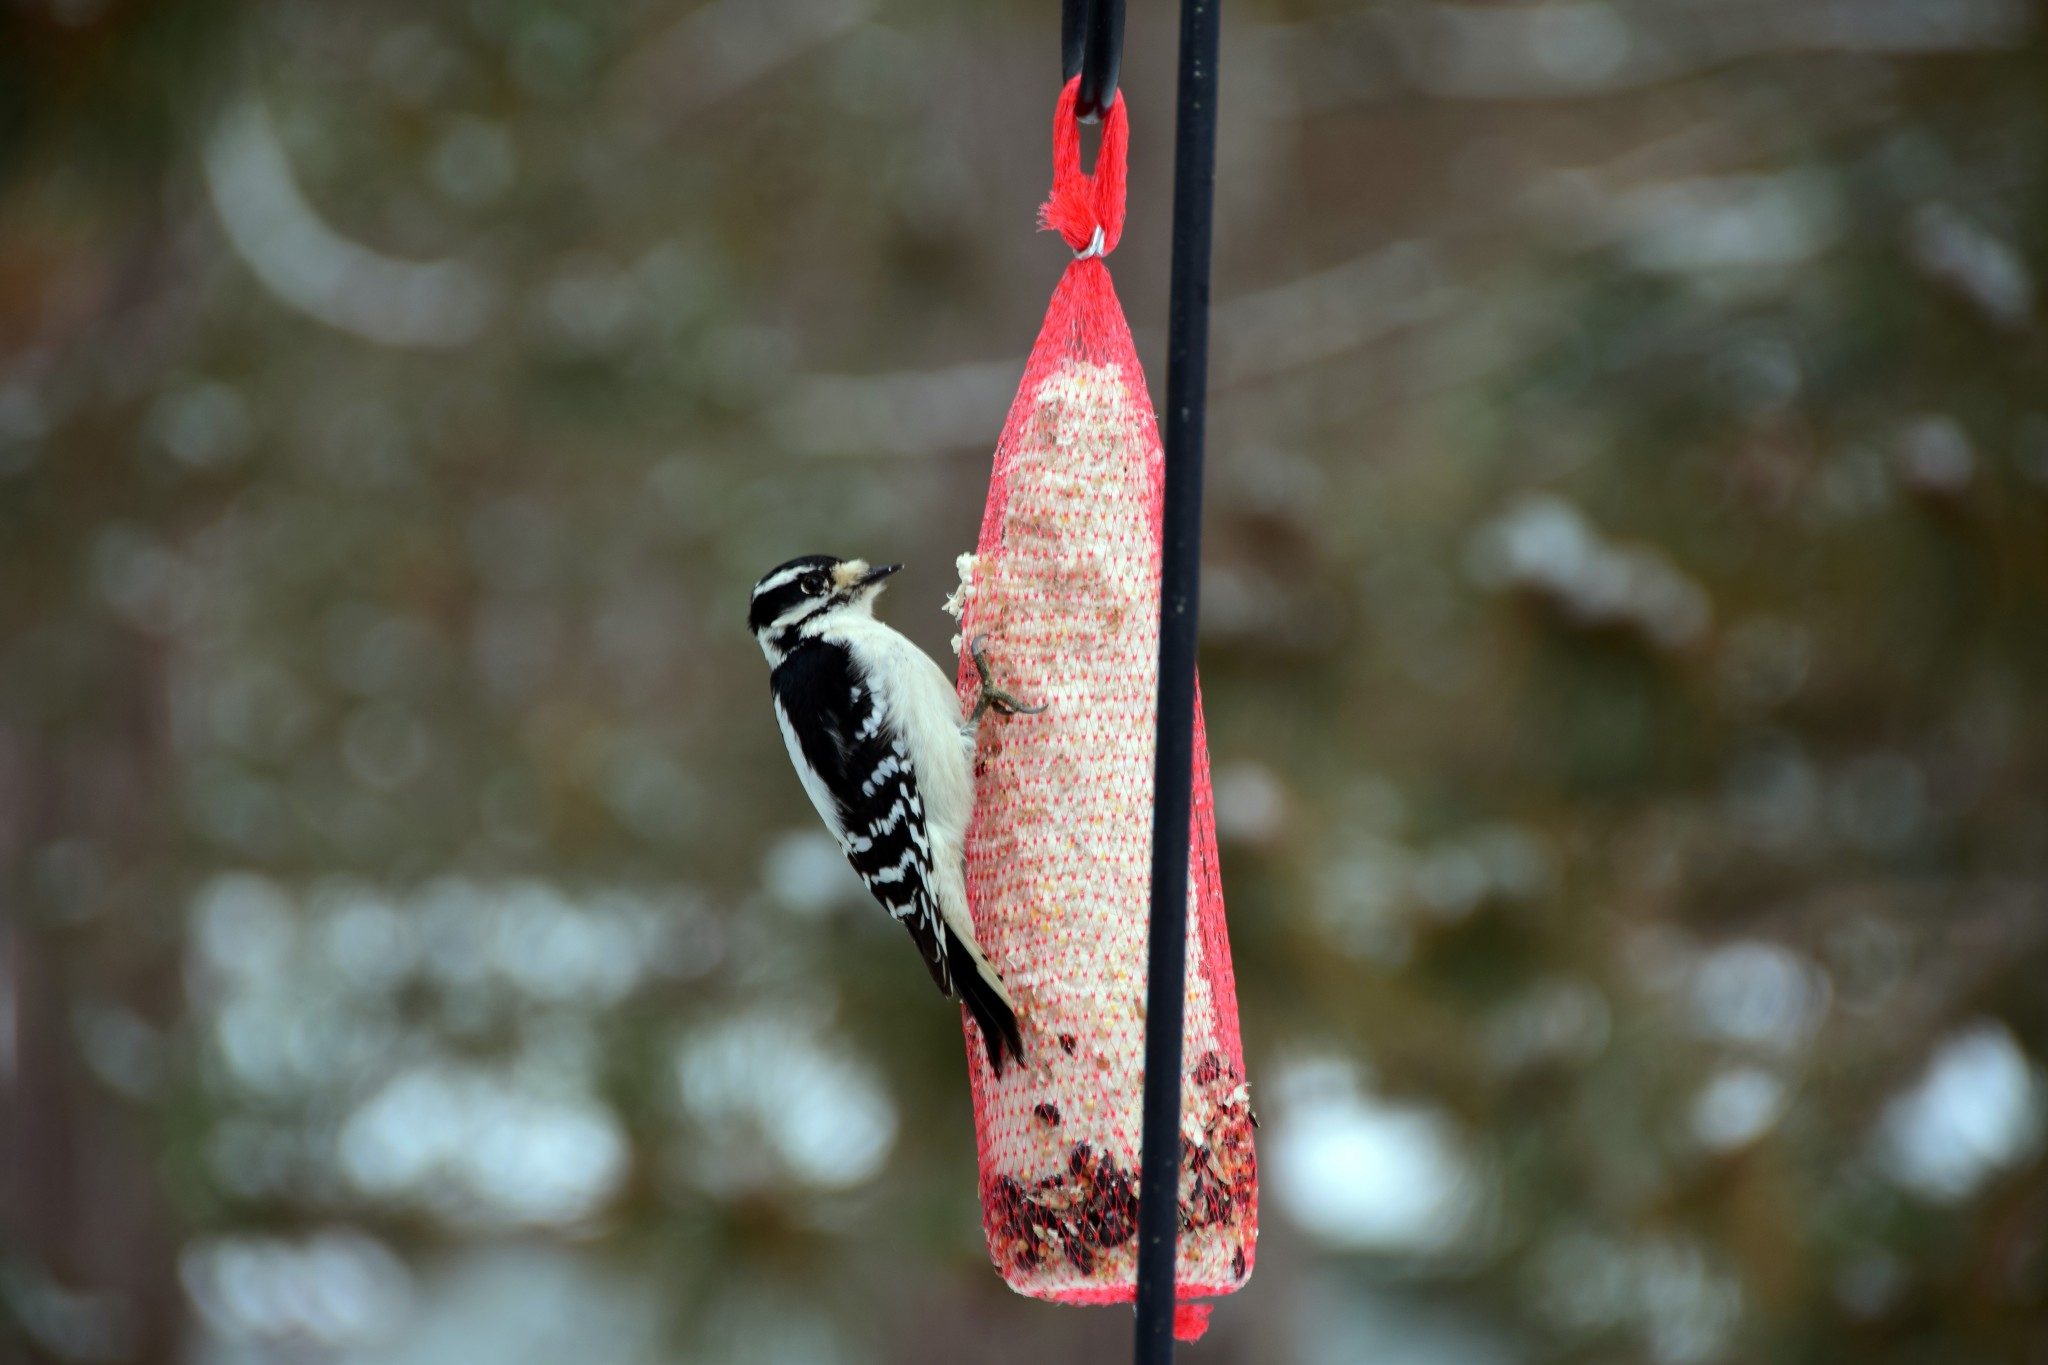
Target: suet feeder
[(1066, 581)]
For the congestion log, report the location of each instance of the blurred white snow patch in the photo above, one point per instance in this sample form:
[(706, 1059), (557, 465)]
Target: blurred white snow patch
[(761, 1323), (204, 424), (549, 943), (1545, 545), (1934, 455), (1557, 1020), (1855, 483), (1359, 899), (1581, 44), (483, 1148), (1251, 803), (243, 927), (1572, 48), (337, 1288), (308, 265), (1362, 1173), (1772, 794), (718, 49), (1760, 994), (1663, 1289), (1713, 224), (24, 416), (363, 935), (1339, 1321), (1522, 52), (1987, 271), (529, 1303), (120, 1046), (591, 307), (476, 161), (1456, 875), (83, 1325), (805, 871), (589, 951), (1977, 1110), (149, 582), (823, 1112), (586, 947), (1738, 1106)]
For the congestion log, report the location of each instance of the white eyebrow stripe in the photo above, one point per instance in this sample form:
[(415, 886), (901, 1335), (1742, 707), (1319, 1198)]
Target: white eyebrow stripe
[(776, 580)]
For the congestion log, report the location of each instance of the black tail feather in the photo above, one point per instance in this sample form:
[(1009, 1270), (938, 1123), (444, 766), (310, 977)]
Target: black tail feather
[(996, 1020)]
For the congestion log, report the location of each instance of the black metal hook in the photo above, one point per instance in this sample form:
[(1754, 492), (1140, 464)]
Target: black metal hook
[(1092, 47)]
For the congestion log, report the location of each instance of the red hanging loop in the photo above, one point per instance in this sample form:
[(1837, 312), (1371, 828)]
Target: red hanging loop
[(1081, 205)]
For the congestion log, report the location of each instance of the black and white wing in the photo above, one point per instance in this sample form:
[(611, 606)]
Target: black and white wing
[(862, 780)]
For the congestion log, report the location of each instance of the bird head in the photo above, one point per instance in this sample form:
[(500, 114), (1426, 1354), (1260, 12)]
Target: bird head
[(798, 599)]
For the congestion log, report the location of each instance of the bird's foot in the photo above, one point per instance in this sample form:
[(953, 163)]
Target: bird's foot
[(993, 697)]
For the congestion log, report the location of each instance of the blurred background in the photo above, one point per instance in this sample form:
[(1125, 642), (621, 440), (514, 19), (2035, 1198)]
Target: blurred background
[(1625, 633)]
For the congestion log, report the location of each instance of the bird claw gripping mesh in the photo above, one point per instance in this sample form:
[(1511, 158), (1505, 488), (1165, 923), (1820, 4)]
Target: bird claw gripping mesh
[(1065, 585)]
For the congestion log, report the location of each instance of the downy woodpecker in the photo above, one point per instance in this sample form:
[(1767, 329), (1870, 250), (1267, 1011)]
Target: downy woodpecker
[(875, 731)]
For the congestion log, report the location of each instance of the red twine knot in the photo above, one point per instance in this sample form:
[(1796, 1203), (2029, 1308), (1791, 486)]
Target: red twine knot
[(1087, 211), (1190, 1320)]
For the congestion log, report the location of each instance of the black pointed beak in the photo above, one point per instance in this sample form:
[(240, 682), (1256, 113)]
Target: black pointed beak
[(877, 574)]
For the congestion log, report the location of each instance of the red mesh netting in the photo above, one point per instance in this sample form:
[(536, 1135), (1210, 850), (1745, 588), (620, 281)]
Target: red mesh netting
[(1065, 583)]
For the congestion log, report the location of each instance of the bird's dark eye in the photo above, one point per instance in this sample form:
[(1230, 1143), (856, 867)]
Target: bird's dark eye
[(812, 584)]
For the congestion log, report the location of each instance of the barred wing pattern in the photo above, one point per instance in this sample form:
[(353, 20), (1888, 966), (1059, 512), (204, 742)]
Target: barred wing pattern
[(863, 783)]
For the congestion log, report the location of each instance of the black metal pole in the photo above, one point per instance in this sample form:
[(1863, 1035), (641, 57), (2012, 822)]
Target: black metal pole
[(1187, 377), (1092, 47), (1073, 37)]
